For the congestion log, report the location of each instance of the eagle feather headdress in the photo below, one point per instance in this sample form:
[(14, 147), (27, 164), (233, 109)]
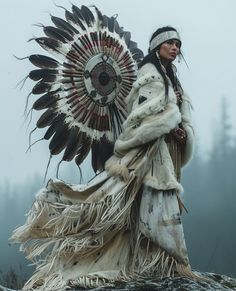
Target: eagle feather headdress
[(84, 83)]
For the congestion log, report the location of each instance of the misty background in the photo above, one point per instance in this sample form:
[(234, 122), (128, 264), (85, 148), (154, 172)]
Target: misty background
[(207, 29)]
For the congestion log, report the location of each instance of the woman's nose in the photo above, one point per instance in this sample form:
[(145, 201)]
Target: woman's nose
[(175, 46)]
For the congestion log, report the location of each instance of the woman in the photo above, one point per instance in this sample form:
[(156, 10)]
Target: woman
[(125, 222)]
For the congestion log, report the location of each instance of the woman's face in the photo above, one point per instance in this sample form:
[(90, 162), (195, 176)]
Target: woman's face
[(169, 50)]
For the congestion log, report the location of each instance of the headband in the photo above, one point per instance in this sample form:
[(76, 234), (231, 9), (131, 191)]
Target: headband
[(162, 37)]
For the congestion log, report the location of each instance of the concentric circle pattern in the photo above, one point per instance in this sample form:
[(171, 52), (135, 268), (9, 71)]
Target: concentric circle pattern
[(84, 82)]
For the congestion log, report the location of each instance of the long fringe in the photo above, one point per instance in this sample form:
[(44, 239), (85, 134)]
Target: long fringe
[(147, 263), (55, 229)]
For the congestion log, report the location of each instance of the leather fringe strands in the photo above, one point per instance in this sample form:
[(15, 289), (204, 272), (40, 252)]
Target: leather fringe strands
[(88, 236)]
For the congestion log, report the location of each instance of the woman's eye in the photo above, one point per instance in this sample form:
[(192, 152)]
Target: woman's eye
[(171, 42), (178, 45)]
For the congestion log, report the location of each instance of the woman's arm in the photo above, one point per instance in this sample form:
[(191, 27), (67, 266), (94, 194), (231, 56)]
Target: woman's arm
[(151, 117)]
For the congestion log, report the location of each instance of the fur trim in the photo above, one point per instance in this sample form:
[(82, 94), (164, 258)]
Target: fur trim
[(150, 129), (152, 182)]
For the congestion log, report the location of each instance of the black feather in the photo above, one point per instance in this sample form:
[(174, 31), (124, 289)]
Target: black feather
[(59, 140), (46, 101), (41, 88), (127, 37), (116, 26), (77, 17), (70, 17), (121, 32), (57, 123), (88, 15), (102, 150), (77, 12), (50, 43), (105, 21), (112, 122), (83, 149), (39, 74), (57, 33), (111, 23), (106, 149), (99, 15), (61, 23), (50, 78), (72, 144), (46, 118), (96, 159), (137, 53), (132, 45), (43, 62)]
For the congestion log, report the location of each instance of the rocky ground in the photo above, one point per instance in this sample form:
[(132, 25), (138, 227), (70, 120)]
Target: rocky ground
[(215, 282)]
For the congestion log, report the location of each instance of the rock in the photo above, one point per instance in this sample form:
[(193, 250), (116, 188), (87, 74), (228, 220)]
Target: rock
[(6, 289), (216, 282)]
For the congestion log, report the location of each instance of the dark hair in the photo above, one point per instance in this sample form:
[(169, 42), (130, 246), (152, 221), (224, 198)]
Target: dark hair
[(151, 57)]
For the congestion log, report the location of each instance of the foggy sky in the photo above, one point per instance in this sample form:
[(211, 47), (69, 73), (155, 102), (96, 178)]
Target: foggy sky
[(208, 34)]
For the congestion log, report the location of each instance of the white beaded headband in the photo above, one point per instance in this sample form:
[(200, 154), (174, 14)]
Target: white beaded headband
[(162, 37)]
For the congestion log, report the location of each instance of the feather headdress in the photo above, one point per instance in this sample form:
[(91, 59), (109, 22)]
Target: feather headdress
[(84, 84)]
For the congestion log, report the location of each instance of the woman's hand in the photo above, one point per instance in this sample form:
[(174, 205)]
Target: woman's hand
[(179, 134)]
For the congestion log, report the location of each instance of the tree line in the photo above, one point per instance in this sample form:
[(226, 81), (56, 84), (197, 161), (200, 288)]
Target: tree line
[(210, 186)]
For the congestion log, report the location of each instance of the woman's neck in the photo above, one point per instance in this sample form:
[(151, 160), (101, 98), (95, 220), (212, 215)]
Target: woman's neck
[(164, 62)]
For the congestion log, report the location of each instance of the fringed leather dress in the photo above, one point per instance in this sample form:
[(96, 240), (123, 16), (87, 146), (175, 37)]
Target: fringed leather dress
[(126, 222)]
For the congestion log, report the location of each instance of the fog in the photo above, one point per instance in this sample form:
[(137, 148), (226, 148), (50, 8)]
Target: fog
[(209, 45)]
